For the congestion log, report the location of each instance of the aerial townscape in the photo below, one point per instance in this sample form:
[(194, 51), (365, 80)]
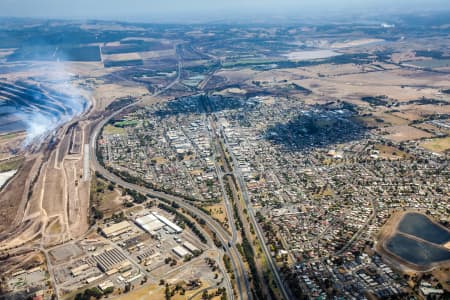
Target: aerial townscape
[(255, 157)]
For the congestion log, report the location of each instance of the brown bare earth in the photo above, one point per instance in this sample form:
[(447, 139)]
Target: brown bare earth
[(53, 192), (11, 196), (10, 142), (25, 260), (405, 133), (58, 200), (443, 275), (156, 292), (218, 212), (106, 93), (390, 226), (390, 152)]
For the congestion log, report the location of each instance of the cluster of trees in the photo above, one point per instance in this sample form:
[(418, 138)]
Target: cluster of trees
[(227, 263), (292, 282), (249, 255), (170, 292), (247, 250), (212, 264), (192, 284), (96, 214), (425, 101), (375, 100), (97, 188), (219, 292), (238, 220), (119, 103), (169, 260), (94, 292), (349, 106), (137, 197), (216, 241), (301, 88), (119, 217)]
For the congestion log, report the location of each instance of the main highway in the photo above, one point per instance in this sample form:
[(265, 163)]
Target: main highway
[(230, 248), (251, 214)]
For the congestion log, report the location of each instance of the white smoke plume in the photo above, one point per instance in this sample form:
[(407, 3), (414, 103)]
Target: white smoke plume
[(56, 79)]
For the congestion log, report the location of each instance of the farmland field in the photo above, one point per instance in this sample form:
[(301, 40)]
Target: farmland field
[(132, 46), (431, 63), (437, 145), (51, 53), (406, 133), (123, 63)]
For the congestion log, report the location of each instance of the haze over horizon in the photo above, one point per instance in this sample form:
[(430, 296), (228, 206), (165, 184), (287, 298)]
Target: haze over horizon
[(204, 10)]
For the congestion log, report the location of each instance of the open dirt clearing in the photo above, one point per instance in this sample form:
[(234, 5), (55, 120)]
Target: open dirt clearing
[(405, 133)]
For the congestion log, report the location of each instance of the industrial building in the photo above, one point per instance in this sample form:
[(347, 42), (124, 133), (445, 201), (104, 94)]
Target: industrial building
[(134, 278), (190, 247), (149, 223), (79, 270), (110, 259), (154, 222), (106, 285), (174, 227), (117, 229), (180, 251)]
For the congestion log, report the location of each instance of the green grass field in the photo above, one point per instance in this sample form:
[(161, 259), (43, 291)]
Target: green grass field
[(437, 145), (109, 129), (11, 164), (126, 123)]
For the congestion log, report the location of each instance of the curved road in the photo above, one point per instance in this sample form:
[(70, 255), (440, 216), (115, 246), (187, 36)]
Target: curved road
[(222, 235)]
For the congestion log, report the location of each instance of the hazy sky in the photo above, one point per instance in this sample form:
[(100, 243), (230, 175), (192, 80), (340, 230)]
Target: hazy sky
[(173, 9)]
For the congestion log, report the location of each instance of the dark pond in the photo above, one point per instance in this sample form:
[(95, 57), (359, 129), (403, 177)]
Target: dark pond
[(416, 252), (422, 227)]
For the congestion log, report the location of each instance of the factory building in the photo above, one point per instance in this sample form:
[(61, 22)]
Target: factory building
[(190, 247), (116, 229), (77, 271), (174, 227), (109, 259), (154, 222), (180, 251), (149, 223)]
